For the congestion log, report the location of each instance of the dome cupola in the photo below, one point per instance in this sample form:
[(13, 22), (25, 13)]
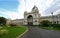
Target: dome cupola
[(35, 9)]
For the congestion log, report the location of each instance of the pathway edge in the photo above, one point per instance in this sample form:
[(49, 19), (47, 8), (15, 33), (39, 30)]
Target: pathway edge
[(23, 33)]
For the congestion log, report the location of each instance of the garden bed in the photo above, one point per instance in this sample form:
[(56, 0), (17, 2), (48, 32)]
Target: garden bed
[(11, 32)]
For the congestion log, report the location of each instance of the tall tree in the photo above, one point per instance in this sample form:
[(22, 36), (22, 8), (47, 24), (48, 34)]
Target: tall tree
[(2, 21)]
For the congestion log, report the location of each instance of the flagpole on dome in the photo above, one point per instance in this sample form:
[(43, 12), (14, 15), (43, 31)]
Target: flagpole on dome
[(25, 7), (34, 3), (25, 4)]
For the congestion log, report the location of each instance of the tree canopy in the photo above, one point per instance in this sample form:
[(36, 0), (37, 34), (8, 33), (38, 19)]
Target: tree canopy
[(2, 21)]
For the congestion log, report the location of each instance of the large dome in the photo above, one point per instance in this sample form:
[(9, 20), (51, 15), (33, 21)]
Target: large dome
[(35, 9)]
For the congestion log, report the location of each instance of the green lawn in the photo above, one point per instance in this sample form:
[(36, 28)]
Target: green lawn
[(50, 28), (13, 32)]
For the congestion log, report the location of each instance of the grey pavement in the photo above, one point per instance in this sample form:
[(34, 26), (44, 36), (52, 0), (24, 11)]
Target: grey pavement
[(35, 32)]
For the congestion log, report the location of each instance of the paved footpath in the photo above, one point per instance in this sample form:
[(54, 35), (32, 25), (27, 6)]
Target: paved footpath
[(34, 32)]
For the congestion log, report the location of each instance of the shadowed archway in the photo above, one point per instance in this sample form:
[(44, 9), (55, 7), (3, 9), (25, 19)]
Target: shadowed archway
[(30, 20)]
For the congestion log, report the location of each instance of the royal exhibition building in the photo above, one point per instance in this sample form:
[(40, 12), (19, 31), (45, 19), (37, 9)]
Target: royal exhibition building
[(34, 18)]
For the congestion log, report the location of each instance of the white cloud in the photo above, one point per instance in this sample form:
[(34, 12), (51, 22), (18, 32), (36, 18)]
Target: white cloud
[(27, 5), (54, 13), (10, 14), (57, 12)]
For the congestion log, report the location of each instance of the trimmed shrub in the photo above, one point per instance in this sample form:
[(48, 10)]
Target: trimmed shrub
[(3, 32), (12, 24), (55, 25), (1, 27), (8, 26), (45, 23)]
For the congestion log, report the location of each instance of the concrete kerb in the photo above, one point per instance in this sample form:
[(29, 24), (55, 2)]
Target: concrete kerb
[(23, 33)]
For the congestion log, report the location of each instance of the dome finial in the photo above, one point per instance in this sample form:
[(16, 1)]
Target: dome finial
[(35, 9)]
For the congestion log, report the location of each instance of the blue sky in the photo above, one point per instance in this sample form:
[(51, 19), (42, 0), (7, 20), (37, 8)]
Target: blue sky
[(9, 5), (8, 0), (14, 9)]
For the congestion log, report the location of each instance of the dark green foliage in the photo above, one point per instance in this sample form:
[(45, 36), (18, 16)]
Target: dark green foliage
[(55, 25), (45, 23), (12, 24), (2, 21)]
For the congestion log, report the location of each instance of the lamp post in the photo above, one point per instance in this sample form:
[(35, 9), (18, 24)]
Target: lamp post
[(52, 17), (58, 19)]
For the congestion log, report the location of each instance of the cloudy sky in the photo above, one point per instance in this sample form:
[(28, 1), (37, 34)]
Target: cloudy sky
[(14, 9)]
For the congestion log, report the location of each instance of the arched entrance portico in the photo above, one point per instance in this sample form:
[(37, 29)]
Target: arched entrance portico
[(30, 20)]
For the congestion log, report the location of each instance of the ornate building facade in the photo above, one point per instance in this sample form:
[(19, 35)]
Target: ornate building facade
[(34, 18)]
